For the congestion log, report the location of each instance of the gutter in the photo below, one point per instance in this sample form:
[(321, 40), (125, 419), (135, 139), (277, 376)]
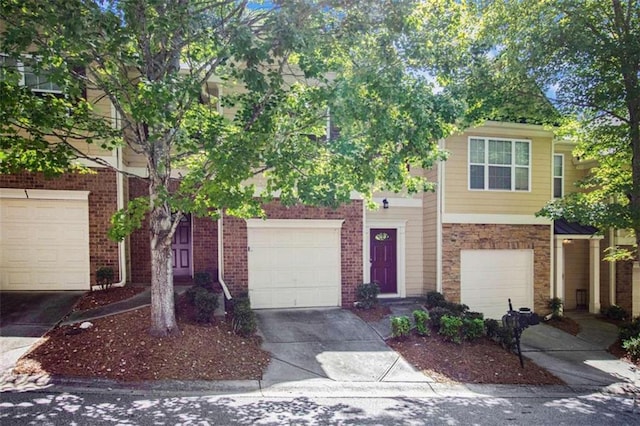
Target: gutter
[(225, 289)]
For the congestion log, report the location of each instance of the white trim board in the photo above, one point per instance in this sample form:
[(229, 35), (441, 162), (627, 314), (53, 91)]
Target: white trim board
[(400, 226), (295, 223), (43, 194), (498, 219)]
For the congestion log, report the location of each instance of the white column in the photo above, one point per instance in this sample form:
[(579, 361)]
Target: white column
[(559, 290), (594, 276), (635, 289)]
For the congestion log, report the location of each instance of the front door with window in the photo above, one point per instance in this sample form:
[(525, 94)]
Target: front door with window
[(383, 259), (181, 248)]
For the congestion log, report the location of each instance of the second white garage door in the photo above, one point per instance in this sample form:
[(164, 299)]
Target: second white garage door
[(488, 278), (44, 240), (294, 263)]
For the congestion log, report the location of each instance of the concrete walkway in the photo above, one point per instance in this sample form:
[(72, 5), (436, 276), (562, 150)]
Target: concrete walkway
[(582, 359)]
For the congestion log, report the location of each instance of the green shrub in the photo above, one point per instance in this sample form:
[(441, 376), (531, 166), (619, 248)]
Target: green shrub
[(422, 322), (632, 346), (436, 314), (474, 315), (630, 330), (614, 312), (555, 304), (367, 295), (202, 279), (472, 328), (244, 319), (491, 327), (434, 299), (451, 328), (458, 309), (400, 326), (206, 303), (104, 277)]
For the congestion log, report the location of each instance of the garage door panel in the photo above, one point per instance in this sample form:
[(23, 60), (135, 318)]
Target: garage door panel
[(294, 265), (488, 278), (44, 243)]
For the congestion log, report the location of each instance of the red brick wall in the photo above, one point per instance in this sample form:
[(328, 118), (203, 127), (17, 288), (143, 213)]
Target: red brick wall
[(624, 272), (204, 242), (456, 237), (102, 204), (235, 244)]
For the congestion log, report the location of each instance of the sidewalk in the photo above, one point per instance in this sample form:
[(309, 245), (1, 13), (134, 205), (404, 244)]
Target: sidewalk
[(580, 360)]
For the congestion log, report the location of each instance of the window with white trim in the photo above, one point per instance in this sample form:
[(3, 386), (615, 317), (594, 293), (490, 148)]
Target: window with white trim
[(499, 164), (558, 175), (37, 82)]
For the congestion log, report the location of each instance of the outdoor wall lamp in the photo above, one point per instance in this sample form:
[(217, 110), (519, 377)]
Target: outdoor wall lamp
[(385, 204)]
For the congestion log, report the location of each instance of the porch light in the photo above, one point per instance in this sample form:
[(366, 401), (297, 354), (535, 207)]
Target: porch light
[(385, 204), (567, 241)]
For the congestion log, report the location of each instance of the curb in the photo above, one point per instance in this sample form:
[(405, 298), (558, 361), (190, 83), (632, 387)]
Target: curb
[(307, 388)]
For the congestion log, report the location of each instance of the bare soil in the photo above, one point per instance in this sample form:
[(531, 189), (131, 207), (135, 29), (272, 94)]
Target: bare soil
[(119, 347)]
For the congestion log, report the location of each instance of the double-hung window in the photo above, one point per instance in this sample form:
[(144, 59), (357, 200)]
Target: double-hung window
[(37, 82), (558, 175), (499, 164)]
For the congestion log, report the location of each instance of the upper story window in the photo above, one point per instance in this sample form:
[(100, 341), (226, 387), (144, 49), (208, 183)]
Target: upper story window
[(499, 164), (558, 176), (37, 82)]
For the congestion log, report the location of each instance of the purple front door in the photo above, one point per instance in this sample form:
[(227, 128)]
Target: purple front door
[(383, 259), (181, 247)]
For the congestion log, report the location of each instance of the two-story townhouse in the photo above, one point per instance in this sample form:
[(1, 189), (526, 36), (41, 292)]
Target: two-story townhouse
[(476, 239)]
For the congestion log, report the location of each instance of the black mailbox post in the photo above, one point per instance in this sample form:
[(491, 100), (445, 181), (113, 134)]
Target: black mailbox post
[(517, 321)]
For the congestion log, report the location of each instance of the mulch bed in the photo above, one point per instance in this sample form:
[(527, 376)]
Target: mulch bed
[(565, 324), (119, 347), (97, 298), (480, 361), (374, 314)]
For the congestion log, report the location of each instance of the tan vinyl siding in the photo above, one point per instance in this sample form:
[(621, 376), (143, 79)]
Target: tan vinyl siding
[(460, 199), (429, 230), (572, 174)]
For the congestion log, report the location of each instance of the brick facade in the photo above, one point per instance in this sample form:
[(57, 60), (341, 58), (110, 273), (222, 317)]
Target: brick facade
[(624, 275), (204, 232), (235, 244), (102, 189), (457, 237)]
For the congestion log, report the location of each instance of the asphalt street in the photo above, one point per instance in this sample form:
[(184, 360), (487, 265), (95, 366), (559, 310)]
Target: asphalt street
[(127, 408)]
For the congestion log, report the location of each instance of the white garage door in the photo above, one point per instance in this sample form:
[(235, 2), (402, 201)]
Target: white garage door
[(44, 240), (294, 263), (488, 278)]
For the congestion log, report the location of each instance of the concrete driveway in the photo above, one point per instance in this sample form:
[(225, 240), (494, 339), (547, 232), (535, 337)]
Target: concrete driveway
[(328, 344), (26, 316)]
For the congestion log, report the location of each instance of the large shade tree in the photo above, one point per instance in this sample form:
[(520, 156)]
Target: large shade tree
[(286, 65), (584, 56)]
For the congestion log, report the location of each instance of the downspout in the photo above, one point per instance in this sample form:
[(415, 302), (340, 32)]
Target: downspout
[(225, 289), (439, 212), (122, 255)]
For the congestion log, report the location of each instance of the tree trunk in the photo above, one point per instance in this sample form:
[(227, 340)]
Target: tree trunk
[(163, 318)]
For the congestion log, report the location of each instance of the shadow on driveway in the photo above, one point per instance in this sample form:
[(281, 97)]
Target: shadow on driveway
[(26, 316), (331, 344)]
